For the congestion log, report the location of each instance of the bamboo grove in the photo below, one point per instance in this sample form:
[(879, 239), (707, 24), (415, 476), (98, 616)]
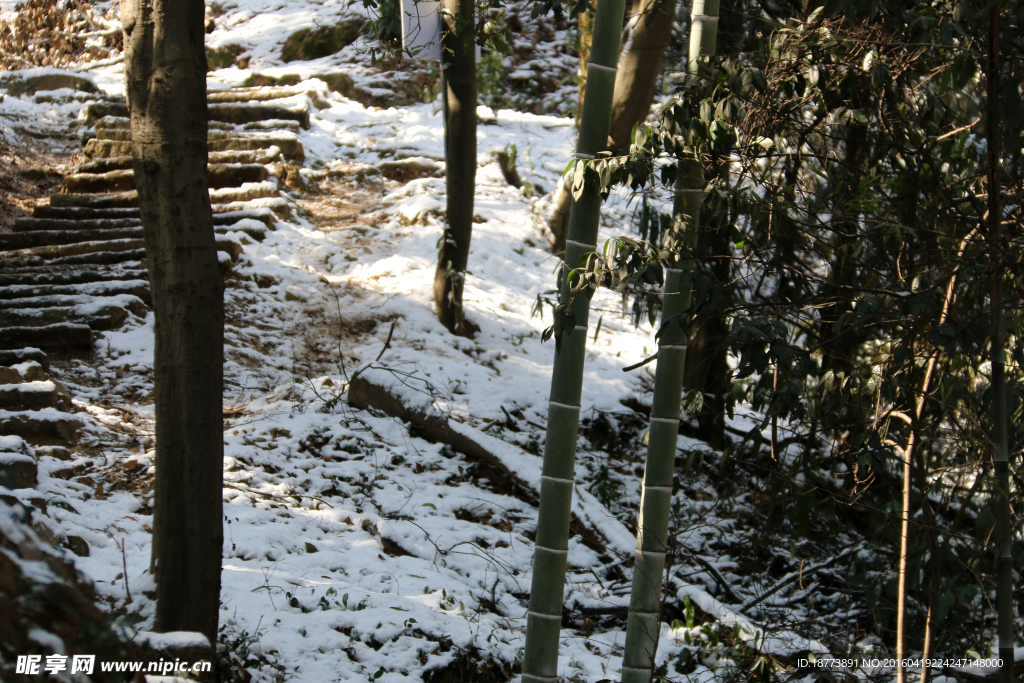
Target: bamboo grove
[(832, 201)]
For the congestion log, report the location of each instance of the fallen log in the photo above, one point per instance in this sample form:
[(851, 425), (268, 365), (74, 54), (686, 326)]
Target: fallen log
[(408, 398)]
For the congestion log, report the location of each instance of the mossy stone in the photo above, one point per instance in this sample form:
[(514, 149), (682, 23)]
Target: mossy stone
[(313, 43)]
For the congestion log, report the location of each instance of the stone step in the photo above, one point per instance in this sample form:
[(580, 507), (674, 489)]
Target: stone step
[(77, 212), (217, 176), (259, 156), (32, 396), (96, 252), (62, 276), (61, 339), (29, 371), (18, 469), (40, 238), (97, 316), (43, 238), (218, 141), (74, 249), (259, 94), (46, 427), (76, 301), (139, 288), (9, 357), (248, 191), (75, 225), (129, 258), (225, 107), (74, 217)]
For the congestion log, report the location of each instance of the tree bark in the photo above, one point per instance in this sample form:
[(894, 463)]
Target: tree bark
[(639, 66), (459, 89), (635, 83), (165, 75)]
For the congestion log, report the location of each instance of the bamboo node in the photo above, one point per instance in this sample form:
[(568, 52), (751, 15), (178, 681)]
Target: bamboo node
[(552, 550), (544, 616), (563, 405), (601, 67), (548, 476)]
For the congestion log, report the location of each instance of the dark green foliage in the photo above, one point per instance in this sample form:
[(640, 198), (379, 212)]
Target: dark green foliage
[(321, 41), (848, 250)]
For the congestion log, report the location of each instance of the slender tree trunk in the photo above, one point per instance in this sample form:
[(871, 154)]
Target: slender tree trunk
[(585, 24), (635, 83), (1000, 450), (544, 618), (165, 74), (639, 66), (459, 91)]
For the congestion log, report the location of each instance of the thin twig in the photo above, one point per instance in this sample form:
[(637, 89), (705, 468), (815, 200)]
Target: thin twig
[(271, 495), (387, 343), (641, 363), (796, 576), (124, 567)]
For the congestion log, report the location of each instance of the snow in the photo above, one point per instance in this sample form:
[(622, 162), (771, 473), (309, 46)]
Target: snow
[(175, 640), (352, 546)]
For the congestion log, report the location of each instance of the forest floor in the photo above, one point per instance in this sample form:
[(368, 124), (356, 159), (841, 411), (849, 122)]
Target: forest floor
[(354, 548)]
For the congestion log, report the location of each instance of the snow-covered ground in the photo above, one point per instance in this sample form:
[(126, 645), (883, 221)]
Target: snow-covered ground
[(354, 549)]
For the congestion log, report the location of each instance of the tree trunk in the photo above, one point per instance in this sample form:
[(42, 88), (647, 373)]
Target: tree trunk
[(635, 82), (639, 66), (1001, 441), (459, 92), (165, 75), (544, 618)]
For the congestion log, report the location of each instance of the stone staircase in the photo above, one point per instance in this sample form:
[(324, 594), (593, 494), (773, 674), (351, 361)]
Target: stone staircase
[(77, 265)]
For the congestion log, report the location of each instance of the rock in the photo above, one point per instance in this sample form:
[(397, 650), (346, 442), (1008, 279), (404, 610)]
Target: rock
[(340, 82), (58, 452), (17, 470), (310, 548), (404, 170), (77, 545), (18, 84), (9, 376), (314, 43)]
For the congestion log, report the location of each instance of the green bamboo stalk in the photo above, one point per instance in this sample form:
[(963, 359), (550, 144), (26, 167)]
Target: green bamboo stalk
[(544, 619), (643, 623)]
